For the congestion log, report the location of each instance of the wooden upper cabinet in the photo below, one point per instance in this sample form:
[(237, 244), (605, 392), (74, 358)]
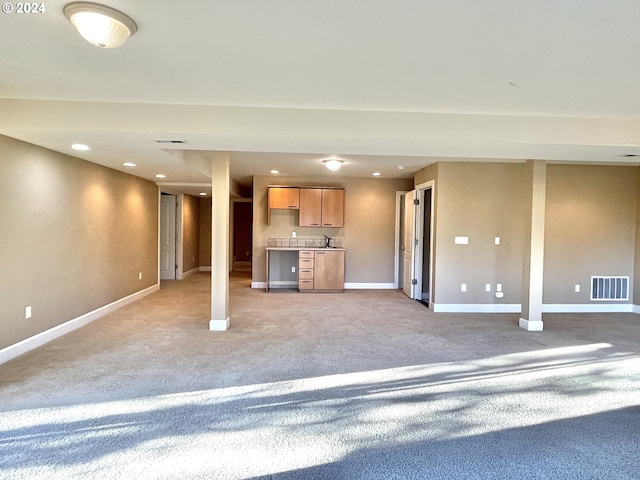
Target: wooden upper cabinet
[(284, 197), (321, 207), (332, 207), (310, 207)]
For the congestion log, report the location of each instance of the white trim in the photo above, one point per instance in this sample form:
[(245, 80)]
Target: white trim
[(531, 325), (219, 325), (283, 284), (587, 308), (258, 284), (476, 307), (190, 272), (28, 344), (179, 237), (159, 226), (370, 286), (205, 269)]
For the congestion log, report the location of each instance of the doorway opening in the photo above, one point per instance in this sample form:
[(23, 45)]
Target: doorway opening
[(414, 227), (242, 235), (168, 236)]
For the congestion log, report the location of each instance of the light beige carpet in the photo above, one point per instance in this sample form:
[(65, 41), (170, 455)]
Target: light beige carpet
[(365, 384)]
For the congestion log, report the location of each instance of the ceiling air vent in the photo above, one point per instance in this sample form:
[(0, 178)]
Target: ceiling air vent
[(609, 288), (170, 141)]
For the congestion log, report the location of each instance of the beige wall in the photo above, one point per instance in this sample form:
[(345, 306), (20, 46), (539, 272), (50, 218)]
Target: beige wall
[(368, 234), (480, 201), (426, 174), (590, 228), (190, 233), (74, 237)]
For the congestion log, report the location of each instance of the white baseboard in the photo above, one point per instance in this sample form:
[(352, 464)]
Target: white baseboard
[(531, 325), (283, 284), (28, 344), (588, 308), (219, 325), (204, 269), (190, 272), (347, 286), (476, 307), (370, 286)]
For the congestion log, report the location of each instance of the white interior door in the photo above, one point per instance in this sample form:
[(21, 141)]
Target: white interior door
[(168, 205), (409, 243)]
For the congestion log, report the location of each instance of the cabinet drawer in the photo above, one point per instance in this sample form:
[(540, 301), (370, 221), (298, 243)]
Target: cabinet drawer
[(305, 284), (305, 254), (305, 263), (305, 273)]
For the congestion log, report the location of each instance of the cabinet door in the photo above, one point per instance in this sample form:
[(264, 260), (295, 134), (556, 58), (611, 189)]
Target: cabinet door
[(310, 207), (332, 208), (329, 270), (284, 197)]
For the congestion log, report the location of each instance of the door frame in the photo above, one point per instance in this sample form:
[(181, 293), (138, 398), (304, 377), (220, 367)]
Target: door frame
[(179, 241), (419, 229), (398, 242)]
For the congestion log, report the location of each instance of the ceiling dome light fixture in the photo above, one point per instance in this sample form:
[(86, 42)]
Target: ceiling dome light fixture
[(100, 25), (81, 147), (333, 163)]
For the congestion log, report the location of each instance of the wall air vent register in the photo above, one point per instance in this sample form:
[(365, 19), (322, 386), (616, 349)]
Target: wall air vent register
[(610, 288)]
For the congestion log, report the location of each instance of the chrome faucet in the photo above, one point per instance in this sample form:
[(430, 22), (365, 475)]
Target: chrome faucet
[(327, 241)]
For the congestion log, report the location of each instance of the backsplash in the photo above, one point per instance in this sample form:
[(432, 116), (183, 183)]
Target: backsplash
[(303, 242)]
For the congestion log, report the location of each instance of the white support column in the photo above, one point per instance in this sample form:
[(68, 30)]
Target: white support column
[(219, 242), (533, 264)]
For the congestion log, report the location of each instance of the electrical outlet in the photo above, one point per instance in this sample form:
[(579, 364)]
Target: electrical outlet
[(499, 287), (463, 287), (293, 269), (487, 287), (27, 312), (293, 235), (497, 240), (577, 288)]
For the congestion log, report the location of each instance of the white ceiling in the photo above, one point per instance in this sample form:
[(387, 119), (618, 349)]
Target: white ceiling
[(284, 83)]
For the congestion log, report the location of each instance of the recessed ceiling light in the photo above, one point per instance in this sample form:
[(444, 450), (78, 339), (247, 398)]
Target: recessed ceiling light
[(202, 194), (376, 174), (160, 175), (275, 171), (129, 164), (400, 167), (80, 147)]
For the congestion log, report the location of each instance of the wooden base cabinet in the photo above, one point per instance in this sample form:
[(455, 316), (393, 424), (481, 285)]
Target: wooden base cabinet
[(323, 272)]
